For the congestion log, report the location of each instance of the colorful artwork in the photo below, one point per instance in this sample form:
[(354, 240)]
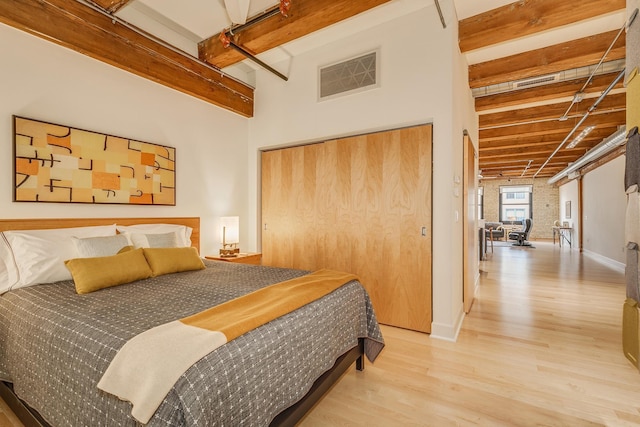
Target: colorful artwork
[(56, 163)]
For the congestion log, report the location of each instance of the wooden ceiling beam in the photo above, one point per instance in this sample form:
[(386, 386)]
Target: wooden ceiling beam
[(305, 17), (548, 60), (547, 92), (523, 18), (497, 170), (78, 27), (539, 152), (542, 128), (615, 102), (514, 155), (111, 6), (516, 171), (549, 140), (524, 158), (510, 147)]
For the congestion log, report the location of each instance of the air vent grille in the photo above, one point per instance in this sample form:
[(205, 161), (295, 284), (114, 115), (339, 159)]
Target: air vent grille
[(348, 76), (536, 81)]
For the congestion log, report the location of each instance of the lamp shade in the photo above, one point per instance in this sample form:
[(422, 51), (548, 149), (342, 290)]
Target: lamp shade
[(237, 10), (230, 229)]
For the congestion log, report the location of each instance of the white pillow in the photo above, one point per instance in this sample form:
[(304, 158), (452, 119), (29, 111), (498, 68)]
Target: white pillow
[(90, 247), (154, 240), (8, 268), (39, 255), (183, 232)]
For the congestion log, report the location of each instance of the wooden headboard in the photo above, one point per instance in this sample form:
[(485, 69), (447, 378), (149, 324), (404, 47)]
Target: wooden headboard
[(48, 223)]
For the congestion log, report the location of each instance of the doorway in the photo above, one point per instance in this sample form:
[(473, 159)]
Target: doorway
[(469, 221)]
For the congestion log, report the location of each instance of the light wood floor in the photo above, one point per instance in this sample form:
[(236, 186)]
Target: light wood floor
[(541, 347)]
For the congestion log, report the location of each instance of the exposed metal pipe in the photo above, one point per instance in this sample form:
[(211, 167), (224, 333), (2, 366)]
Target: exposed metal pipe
[(535, 121), (155, 39), (526, 168), (437, 2), (609, 143), (584, 117), (258, 61), (575, 98), (253, 21)]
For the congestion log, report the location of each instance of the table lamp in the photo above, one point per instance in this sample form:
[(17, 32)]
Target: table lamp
[(230, 228)]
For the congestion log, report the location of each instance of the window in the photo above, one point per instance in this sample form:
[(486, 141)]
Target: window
[(516, 202)]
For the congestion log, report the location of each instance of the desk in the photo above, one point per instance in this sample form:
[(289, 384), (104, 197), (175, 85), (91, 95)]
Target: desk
[(564, 234)]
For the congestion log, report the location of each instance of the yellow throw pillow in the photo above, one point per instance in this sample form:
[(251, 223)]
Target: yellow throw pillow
[(126, 249), (92, 274), (172, 260)]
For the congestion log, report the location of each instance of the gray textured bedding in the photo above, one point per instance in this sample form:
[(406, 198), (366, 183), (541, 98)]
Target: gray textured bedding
[(55, 345)]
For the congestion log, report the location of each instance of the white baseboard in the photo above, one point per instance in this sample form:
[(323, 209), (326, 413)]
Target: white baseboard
[(616, 265), (448, 332)]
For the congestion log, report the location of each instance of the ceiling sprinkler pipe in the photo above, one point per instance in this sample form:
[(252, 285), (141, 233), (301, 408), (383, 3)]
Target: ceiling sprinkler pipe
[(608, 144), (586, 114)]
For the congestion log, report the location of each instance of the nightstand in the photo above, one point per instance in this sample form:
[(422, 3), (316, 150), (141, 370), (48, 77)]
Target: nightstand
[(242, 258)]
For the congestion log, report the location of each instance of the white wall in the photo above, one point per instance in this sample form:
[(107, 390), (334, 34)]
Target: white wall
[(603, 212), (464, 119), (603, 216), (43, 81), (423, 80), (569, 193)]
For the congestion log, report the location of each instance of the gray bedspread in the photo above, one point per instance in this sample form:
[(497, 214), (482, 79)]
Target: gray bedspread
[(55, 345)]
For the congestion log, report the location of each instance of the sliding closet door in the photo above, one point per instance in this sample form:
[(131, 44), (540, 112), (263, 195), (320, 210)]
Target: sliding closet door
[(361, 205), (292, 227), (376, 198), (398, 270)]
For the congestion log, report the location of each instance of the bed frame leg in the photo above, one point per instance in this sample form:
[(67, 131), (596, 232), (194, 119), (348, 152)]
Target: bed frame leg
[(360, 359)]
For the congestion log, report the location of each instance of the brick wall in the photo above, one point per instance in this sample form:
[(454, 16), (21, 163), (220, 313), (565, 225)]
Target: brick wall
[(545, 203)]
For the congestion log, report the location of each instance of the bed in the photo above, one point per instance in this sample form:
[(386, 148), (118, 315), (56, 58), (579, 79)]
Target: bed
[(56, 344)]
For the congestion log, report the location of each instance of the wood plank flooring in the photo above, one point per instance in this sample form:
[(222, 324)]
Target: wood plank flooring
[(541, 347)]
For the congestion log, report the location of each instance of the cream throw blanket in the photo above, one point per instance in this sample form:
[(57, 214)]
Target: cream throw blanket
[(148, 365)]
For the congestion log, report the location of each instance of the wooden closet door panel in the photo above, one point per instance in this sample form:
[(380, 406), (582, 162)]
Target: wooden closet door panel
[(273, 240), (422, 256), (311, 224), (376, 197), (399, 205), (343, 203), (289, 208)]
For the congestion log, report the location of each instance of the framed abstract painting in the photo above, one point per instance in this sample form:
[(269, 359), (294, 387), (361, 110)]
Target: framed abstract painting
[(57, 163)]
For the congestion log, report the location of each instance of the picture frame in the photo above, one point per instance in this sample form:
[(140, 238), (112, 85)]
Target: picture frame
[(567, 209), (64, 164)]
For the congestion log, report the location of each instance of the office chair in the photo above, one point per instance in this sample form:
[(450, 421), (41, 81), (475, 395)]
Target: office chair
[(521, 236)]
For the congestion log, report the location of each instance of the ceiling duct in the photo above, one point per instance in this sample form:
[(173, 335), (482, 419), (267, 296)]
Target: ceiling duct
[(536, 81), (607, 145)]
